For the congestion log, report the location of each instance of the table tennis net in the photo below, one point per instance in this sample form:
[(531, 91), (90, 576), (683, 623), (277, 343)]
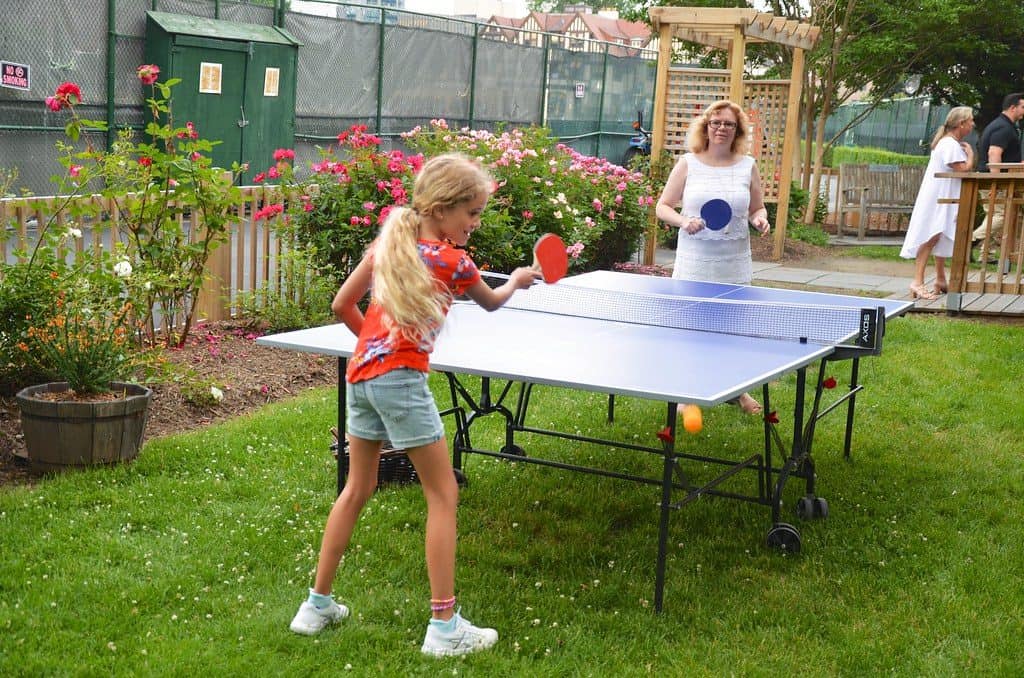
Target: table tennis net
[(772, 320)]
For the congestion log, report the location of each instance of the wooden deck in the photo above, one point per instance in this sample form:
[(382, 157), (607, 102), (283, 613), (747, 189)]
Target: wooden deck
[(972, 303)]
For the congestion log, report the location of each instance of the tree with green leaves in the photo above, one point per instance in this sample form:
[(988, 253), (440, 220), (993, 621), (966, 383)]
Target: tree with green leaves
[(954, 51)]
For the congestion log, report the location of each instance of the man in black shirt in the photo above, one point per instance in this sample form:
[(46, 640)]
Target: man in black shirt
[(1000, 142)]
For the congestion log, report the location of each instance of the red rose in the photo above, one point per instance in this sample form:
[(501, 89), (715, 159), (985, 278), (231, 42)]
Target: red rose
[(147, 73), (66, 90)]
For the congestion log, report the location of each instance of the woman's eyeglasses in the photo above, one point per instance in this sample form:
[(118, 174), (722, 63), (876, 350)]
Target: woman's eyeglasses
[(727, 124)]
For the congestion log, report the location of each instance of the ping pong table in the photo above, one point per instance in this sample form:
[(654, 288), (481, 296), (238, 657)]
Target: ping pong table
[(672, 341)]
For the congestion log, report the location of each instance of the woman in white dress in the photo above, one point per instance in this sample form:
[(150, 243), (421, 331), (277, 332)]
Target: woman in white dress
[(933, 224), (717, 167)]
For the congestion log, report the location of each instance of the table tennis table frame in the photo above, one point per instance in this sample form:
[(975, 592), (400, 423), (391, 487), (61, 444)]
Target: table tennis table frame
[(466, 409)]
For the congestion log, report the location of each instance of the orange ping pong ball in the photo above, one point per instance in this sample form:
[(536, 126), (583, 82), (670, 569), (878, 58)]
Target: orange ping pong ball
[(693, 420)]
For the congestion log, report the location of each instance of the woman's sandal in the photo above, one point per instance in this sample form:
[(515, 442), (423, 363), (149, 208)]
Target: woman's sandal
[(922, 292), (942, 288)]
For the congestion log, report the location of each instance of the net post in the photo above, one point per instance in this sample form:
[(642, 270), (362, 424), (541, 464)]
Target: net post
[(871, 329)]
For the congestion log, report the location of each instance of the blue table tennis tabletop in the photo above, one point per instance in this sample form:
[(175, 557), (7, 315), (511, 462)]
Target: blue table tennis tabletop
[(648, 361), (666, 364)]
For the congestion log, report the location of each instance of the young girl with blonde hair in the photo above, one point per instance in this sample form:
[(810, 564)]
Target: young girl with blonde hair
[(414, 268)]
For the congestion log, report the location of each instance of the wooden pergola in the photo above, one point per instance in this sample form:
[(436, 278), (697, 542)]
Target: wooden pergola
[(774, 105)]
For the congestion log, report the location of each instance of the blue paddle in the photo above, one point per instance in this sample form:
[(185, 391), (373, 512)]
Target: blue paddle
[(716, 214)]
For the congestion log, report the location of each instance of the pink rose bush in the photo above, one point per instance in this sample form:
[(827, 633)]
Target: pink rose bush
[(598, 208), (336, 209)]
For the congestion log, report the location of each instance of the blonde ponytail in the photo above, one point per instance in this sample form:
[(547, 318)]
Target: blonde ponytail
[(402, 284), (413, 300)]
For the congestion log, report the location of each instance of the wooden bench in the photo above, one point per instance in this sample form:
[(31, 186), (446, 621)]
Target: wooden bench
[(888, 189)]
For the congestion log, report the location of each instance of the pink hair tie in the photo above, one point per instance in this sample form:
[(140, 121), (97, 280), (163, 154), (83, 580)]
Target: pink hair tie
[(442, 605)]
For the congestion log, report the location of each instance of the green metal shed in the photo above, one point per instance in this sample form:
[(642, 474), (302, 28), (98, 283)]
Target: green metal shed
[(237, 83)]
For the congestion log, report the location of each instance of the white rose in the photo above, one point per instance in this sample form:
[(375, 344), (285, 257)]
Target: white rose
[(123, 269), (75, 232)]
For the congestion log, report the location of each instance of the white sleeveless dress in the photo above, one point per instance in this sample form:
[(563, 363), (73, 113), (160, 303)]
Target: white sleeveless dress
[(716, 256), (929, 217)]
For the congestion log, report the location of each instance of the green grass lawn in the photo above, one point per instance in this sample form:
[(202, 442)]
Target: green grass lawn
[(193, 559), (881, 252)]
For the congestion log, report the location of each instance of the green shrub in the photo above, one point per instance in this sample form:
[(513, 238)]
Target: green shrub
[(199, 391), (795, 226), (797, 205), (812, 234), (26, 297), (864, 155), (273, 313)]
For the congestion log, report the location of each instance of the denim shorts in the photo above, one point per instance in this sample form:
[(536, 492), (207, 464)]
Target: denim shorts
[(396, 406)]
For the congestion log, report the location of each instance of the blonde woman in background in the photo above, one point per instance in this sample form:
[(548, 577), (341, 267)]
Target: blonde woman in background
[(932, 224), (414, 270), (717, 166)]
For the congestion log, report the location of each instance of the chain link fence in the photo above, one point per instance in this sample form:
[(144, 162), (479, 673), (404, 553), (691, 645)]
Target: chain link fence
[(902, 125), (390, 73)]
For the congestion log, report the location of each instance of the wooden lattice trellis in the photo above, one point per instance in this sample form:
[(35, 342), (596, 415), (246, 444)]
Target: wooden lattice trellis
[(766, 102), (690, 90)]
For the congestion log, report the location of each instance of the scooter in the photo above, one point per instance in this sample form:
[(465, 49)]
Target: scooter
[(639, 143)]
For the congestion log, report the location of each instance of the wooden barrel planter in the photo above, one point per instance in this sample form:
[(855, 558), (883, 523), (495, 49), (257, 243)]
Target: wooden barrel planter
[(74, 434)]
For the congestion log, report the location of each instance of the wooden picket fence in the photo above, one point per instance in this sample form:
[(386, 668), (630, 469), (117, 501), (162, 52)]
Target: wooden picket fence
[(250, 261)]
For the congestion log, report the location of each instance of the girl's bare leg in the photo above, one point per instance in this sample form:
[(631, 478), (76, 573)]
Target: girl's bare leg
[(441, 492), (363, 458)]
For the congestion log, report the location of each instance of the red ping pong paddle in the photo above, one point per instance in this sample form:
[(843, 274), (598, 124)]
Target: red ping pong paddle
[(716, 214), (550, 256)]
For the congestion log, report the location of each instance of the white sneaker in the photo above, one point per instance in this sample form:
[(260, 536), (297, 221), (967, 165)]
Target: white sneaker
[(311, 620), (465, 638)]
